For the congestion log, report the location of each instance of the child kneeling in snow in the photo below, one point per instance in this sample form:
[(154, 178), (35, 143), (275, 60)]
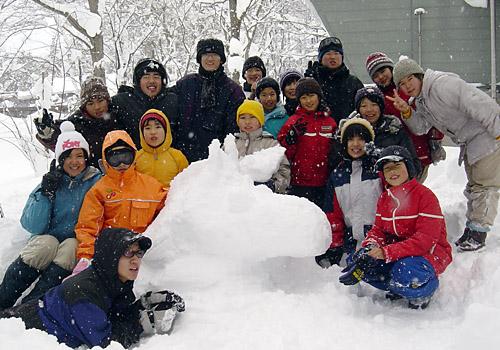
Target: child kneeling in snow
[(352, 192), (251, 139), (157, 158), (407, 248), (50, 215), (124, 197), (98, 305)]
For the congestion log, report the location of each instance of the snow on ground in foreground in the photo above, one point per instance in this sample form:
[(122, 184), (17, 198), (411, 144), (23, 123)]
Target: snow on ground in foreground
[(242, 257)]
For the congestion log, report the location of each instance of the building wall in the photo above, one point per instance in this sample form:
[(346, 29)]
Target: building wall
[(455, 36)]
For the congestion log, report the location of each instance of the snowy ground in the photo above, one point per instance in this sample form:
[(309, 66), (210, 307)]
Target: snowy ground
[(242, 259)]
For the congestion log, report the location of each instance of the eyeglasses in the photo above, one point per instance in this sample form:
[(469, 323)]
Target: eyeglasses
[(329, 41), (119, 156), (138, 253)]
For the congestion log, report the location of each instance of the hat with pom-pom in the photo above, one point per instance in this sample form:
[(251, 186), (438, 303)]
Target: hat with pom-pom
[(69, 139)]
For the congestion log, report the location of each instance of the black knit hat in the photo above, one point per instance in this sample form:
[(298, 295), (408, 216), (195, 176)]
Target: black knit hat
[(396, 154), (308, 86), (373, 94), (253, 62), (148, 65), (210, 46), (288, 76), (267, 82), (330, 44)]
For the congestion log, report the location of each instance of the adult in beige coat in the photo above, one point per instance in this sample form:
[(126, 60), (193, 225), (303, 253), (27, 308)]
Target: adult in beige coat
[(472, 120)]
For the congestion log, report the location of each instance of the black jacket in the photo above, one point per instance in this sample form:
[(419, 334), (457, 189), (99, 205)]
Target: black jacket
[(198, 124), (339, 89), (132, 103)]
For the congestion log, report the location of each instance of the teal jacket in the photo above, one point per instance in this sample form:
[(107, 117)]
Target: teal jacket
[(58, 218), (275, 120)]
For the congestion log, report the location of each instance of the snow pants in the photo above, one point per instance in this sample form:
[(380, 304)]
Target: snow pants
[(412, 277), (481, 191)]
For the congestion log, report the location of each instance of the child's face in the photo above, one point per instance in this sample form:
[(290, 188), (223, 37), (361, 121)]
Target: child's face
[(411, 85), (153, 133), (97, 107), (309, 102), (248, 123), (253, 75), (383, 77), (268, 98), (395, 173), (128, 267), (75, 163), (369, 110), (356, 147), (289, 90)]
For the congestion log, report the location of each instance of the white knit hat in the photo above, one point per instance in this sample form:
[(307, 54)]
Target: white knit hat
[(69, 139)]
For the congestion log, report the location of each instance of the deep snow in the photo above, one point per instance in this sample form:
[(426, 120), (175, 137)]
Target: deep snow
[(241, 257)]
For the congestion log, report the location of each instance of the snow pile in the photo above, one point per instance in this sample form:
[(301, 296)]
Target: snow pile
[(214, 209)]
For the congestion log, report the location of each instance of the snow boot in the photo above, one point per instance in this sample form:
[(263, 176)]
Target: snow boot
[(18, 277), (419, 303), (471, 240), (52, 276)]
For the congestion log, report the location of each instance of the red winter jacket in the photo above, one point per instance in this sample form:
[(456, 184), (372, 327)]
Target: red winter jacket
[(421, 142), (309, 156), (409, 222)]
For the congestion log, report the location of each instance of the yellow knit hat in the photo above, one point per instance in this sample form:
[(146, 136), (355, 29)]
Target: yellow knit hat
[(253, 108)]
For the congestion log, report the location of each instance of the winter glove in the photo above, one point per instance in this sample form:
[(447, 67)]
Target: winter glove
[(438, 153), (355, 270), (50, 181), (372, 150), (312, 69), (81, 265), (45, 125), (269, 183), (158, 311), (297, 129), (331, 257), (164, 298), (354, 114)]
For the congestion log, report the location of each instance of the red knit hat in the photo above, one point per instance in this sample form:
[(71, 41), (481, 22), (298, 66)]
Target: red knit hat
[(146, 117), (377, 60)]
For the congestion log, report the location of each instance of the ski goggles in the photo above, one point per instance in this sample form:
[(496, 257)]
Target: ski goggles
[(330, 41), (119, 156), (130, 253)]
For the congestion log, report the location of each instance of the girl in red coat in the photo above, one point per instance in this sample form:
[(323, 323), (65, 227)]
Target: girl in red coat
[(406, 249), (307, 136)]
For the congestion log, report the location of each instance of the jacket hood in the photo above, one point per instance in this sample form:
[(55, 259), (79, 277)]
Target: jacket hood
[(430, 77), (111, 138), (109, 247), (168, 134)]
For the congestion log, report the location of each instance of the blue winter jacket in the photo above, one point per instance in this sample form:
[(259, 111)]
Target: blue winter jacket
[(275, 120), (58, 218)]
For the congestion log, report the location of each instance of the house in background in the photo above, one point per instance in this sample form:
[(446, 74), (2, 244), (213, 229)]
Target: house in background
[(455, 36)]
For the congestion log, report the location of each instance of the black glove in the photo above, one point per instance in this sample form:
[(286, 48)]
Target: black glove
[(331, 257), (50, 181), (45, 124), (158, 311), (437, 151), (297, 129), (269, 183), (312, 69), (355, 270)]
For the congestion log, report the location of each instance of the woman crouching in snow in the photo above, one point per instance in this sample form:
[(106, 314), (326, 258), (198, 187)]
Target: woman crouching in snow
[(98, 306), (407, 248)]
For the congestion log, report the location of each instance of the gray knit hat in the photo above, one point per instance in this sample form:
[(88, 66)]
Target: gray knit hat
[(404, 68)]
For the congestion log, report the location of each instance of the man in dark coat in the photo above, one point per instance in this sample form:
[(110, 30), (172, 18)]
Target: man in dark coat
[(338, 85), (208, 101), (149, 91)]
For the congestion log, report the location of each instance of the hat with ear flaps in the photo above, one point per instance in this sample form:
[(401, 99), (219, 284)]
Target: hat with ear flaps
[(210, 46), (356, 127)]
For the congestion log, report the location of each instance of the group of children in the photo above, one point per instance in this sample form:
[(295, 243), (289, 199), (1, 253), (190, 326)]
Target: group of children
[(365, 171)]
